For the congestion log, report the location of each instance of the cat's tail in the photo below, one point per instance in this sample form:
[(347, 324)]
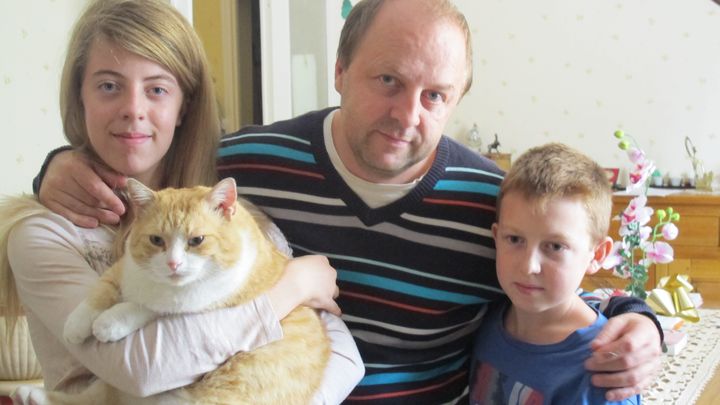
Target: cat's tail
[(12, 210)]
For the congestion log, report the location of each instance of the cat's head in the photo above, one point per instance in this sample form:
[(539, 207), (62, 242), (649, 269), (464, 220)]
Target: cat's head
[(183, 235)]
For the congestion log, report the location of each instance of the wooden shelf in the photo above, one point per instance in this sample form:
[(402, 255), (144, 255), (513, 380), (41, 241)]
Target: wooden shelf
[(503, 160)]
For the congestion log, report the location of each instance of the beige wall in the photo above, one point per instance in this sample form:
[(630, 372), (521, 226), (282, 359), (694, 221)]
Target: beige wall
[(33, 36), (557, 70), (574, 71)]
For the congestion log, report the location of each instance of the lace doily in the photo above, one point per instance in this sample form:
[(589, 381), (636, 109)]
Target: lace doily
[(684, 375)]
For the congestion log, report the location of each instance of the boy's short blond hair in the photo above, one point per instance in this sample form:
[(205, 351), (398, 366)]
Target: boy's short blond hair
[(554, 170)]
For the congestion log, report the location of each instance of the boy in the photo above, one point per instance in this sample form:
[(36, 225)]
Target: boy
[(553, 214)]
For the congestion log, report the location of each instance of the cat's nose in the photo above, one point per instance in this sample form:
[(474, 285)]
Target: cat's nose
[(174, 265)]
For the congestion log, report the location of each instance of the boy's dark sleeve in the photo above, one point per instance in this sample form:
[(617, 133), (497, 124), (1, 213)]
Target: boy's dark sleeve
[(623, 305), (38, 179)]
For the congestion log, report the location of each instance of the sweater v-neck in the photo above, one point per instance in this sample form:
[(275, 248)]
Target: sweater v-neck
[(373, 216)]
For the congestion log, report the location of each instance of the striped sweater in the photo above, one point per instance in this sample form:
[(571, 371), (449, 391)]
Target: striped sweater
[(414, 275)]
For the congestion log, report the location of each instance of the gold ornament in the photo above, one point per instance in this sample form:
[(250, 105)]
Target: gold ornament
[(672, 298)]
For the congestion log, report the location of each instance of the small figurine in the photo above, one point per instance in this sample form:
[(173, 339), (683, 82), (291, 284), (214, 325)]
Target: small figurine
[(495, 146), (346, 7), (474, 140)]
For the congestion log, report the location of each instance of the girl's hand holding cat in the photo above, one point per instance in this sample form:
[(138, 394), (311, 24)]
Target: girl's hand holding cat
[(308, 280)]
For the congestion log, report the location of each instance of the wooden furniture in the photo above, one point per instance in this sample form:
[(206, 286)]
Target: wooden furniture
[(503, 160), (697, 247)]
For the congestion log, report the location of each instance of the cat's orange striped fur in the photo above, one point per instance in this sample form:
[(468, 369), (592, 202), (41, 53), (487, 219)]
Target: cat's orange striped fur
[(153, 271)]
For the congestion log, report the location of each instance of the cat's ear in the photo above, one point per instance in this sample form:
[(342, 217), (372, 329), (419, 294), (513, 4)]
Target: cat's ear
[(223, 196), (140, 194)]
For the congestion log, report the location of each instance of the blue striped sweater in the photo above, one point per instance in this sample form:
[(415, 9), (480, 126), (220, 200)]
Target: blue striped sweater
[(414, 275)]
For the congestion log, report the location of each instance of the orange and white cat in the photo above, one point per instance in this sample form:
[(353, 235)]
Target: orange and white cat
[(191, 250)]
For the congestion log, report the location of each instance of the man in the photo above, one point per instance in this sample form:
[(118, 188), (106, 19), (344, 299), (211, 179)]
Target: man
[(403, 213)]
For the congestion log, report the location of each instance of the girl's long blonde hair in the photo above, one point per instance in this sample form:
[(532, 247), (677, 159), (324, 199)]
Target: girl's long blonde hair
[(157, 31), (12, 211)]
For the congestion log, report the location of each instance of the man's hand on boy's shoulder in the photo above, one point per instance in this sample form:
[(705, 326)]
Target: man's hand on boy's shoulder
[(81, 191), (626, 356)]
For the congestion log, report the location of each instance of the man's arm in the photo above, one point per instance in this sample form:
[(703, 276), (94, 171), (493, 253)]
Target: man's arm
[(73, 186), (626, 353), (48, 158)]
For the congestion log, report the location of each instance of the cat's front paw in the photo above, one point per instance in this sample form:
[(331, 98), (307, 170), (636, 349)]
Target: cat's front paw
[(121, 320), (29, 395), (109, 328), (78, 326)]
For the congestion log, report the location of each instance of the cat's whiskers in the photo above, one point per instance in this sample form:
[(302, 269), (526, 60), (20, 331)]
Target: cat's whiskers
[(182, 291)]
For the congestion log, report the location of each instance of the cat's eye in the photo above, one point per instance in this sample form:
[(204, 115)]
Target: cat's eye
[(157, 240), (195, 241)]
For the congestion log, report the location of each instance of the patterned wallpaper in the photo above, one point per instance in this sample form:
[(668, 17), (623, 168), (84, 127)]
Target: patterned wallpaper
[(33, 37), (575, 70), (555, 70)]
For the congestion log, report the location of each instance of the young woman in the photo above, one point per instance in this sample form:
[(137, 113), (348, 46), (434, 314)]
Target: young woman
[(137, 97)]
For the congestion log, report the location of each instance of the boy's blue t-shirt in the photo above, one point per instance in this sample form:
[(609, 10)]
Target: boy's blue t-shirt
[(508, 371)]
